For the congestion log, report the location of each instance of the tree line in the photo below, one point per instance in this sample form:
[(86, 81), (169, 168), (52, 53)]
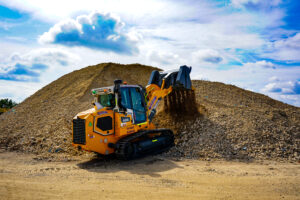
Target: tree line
[(7, 103)]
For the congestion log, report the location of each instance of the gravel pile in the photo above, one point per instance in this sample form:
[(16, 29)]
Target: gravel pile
[(235, 124), (232, 123)]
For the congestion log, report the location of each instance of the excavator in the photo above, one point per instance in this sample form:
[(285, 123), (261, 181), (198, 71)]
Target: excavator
[(121, 121)]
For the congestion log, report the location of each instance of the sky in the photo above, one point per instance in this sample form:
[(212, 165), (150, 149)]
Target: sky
[(253, 44)]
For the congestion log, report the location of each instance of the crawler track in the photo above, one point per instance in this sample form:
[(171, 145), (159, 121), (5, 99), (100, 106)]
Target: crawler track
[(142, 143)]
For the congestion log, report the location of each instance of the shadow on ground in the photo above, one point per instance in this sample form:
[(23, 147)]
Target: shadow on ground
[(150, 165)]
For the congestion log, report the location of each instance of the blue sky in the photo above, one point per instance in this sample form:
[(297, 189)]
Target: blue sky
[(253, 44)]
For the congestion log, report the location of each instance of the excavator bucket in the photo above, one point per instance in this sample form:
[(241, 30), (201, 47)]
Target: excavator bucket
[(182, 96), (175, 78)]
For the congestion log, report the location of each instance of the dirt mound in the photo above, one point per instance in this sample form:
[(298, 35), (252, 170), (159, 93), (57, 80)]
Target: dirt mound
[(233, 123)]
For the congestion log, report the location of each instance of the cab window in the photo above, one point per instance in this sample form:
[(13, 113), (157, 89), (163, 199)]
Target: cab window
[(137, 100), (138, 105), (106, 100), (125, 98)]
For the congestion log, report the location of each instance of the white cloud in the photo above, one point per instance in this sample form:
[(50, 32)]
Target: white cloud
[(261, 64), (272, 87), (286, 88), (262, 3), (96, 30), (208, 55), (18, 91), (38, 65), (274, 79), (48, 56), (257, 77), (6, 26), (163, 58), (130, 10), (285, 49), (291, 42), (211, 26), (53, 56), (291, 97), (41, 66), (286, 91)]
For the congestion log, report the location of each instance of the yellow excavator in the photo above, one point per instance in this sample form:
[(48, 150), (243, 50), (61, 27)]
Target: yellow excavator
[(121, 121)]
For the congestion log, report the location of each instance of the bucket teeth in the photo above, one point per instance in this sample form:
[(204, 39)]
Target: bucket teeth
[(180, 101)]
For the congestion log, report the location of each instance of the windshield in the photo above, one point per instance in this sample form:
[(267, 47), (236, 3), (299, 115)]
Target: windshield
[(106, 100)]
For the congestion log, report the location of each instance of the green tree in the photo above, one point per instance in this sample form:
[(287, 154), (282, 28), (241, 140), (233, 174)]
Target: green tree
[(7, 103)]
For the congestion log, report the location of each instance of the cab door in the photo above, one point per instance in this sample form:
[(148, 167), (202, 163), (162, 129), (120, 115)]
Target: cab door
[(138, 105)]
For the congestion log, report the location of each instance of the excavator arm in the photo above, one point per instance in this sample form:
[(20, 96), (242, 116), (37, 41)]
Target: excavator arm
[(163, 83)]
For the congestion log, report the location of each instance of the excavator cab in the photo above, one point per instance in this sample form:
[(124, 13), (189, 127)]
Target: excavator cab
[(129, 99)]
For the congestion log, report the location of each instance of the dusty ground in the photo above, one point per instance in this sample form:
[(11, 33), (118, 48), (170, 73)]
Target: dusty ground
[(23, 177)]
